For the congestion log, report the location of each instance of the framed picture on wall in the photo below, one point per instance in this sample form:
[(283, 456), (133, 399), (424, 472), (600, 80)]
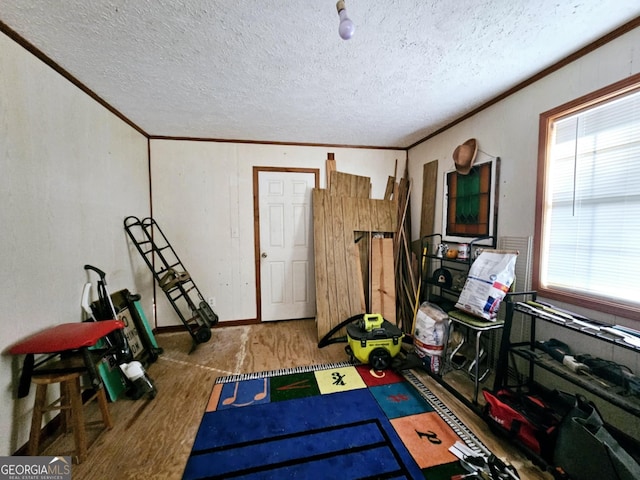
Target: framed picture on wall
[(470, 203)]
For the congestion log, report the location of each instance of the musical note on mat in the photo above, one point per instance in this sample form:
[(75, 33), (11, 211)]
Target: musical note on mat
[(230, 400), (261, 395), (257, 397)]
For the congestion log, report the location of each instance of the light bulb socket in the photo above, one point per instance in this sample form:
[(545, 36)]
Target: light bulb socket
[(340, 5)]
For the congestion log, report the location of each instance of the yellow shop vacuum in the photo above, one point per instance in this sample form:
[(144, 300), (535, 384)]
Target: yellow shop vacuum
[(373, 340)]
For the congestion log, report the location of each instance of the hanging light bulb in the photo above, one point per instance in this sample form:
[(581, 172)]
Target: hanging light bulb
[(346, 27)]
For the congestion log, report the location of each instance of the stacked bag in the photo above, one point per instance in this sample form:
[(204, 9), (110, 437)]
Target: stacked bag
[(586, 450), (566, 431)]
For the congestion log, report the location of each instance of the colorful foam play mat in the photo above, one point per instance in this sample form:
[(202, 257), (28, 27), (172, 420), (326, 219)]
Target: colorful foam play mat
[(340, 421)]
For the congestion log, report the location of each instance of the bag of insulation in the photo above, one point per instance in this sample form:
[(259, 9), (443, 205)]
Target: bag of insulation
[(429, 335)]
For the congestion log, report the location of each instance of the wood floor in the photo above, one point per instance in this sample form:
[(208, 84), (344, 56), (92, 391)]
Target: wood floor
[(153, 438)]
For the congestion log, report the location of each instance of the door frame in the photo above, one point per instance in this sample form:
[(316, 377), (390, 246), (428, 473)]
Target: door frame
[(256, 221)]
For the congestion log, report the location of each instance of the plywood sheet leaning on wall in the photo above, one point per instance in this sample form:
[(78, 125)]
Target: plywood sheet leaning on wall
[(347, 185), (336, 219), (429, 187), (383, 285)]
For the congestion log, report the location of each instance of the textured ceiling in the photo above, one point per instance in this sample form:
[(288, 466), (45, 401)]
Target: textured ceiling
[(277, 71)]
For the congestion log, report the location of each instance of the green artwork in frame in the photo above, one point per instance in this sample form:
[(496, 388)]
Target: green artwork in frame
[(467, 200), (470, 206)]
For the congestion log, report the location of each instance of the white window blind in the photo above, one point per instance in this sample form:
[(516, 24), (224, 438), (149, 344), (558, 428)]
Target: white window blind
[(591, 232)]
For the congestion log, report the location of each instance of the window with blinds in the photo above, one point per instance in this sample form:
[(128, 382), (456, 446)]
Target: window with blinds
[(588, 217)]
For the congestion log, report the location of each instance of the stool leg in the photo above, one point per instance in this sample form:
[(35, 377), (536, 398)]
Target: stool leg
[(36, 419), (104, 408), (65, 403), (79, 432)]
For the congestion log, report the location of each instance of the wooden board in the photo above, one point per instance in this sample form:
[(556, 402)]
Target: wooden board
[(340, 254), (429, 187), (355, 289), (383, 289), (390, 189), (320, 253), (359, 277), (331, 167), (348, 185)]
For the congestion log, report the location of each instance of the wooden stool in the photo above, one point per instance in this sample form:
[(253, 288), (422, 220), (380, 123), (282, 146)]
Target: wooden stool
[(70, 405)]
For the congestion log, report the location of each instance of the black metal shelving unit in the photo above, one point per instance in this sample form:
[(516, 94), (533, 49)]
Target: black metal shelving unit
[(445, 298), (536, 357), (430, 262)]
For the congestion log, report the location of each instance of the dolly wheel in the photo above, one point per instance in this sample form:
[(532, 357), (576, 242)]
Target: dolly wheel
[(380, 358), (203, 334)]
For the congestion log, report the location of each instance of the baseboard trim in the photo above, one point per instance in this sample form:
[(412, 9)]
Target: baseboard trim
[(229, 323)]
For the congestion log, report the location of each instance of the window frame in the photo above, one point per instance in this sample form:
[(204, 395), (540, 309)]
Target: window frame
[(547, 118)]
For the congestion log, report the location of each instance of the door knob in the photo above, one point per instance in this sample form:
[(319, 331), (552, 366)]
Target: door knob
[(264, 255)]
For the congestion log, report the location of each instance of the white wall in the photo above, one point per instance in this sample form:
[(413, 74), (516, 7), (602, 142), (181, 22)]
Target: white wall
[(203, 202), (509, 130), (70, 172)]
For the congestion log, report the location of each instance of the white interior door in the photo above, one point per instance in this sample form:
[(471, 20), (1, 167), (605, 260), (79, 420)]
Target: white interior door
[(287, 283)]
